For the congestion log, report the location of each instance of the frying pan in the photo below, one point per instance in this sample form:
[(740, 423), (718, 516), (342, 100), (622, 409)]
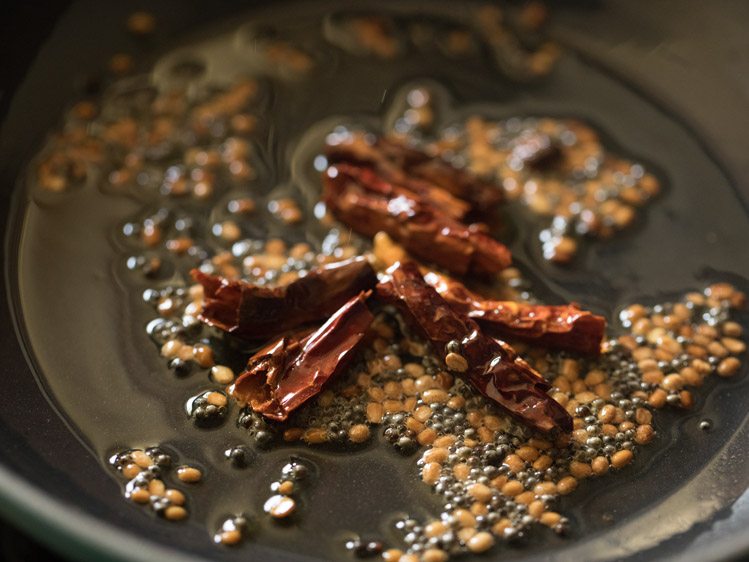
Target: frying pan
[(686, 63)]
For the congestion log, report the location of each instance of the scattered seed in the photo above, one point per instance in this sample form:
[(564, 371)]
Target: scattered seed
[(230, 538), (141, 459), (175, 496), (175, 513), (140, 495), (621, 458), (216, 398), (480, 542), (434, 555), (279, 506), (130, 470), (189, 474), (456, 362), (728, 367), (359, 433), (222, 374)]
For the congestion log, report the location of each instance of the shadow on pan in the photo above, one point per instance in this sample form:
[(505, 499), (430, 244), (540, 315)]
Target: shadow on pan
[(683, 56)]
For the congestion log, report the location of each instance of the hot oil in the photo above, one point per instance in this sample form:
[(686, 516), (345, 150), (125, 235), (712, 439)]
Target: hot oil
[(86, 315)]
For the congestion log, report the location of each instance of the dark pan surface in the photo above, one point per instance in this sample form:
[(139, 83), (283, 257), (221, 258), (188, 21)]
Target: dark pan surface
[(686, 499)]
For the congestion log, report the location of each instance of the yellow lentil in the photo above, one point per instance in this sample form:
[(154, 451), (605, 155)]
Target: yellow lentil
[(427, 436), (514, 463), (728, 367), (621, 458), (599, 465), (436, 454), (434, 555), (550, 518), (464, 518), (230, 538), (456, 362), (526, 453), (580, 470), (512, 488), (141, 458), (279, 506), (315, 435), (216, 399), (480, 542), (430, 473), (156, 487), (189, 474), (175, 513), (358, 433), (175, 496), (434, 396), (481, 492), (130, 470), (222, 374), (374, 412), (140, 495), (435, 529), (566, 485), (461, 471), (644, 434), (286, 488)]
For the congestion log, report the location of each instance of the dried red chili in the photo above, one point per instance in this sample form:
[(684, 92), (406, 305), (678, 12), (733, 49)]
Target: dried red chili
[(253, 312), (561, 327), (360, 153), (415, 169), (361, 199), (282, 376), (493, 368)]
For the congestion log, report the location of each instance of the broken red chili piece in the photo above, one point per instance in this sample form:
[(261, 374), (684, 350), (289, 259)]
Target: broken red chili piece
[(282, 376), (492, 367), (251, 312), (414, 169), (563, 327), (362, 200)]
